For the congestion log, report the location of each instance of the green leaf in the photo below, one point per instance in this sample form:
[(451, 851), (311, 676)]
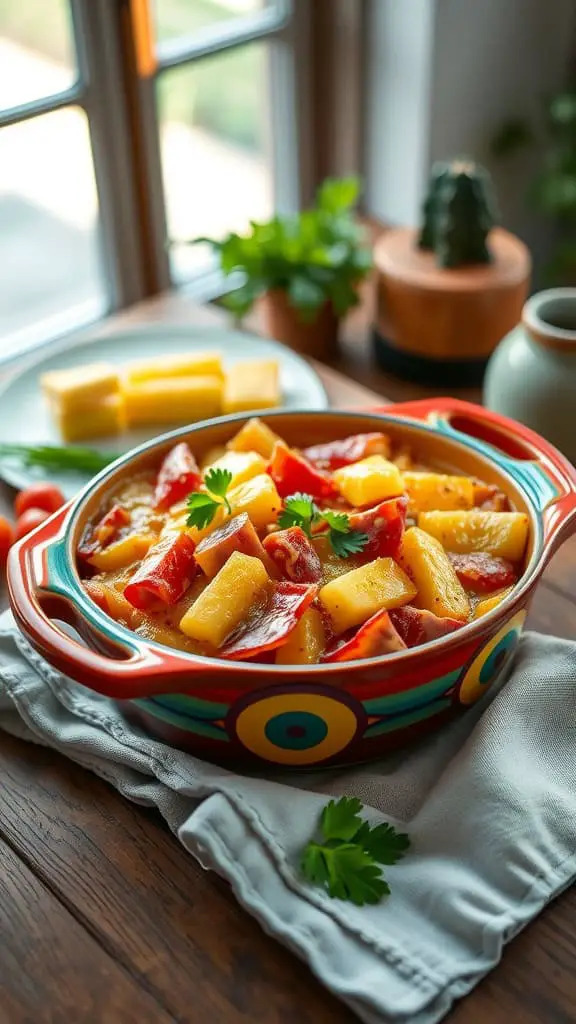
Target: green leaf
[(340, 818), (346, 871), (217, 481), (316, 256), (382, 842), (335, 195), (347, 863), (305, 294), (346, 544), (299, 510), (202, 509), (338, 521), (314, 865)]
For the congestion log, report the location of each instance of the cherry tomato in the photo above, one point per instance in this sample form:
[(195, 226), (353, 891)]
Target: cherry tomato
[(6, 538), (44, 496), (29, 519)]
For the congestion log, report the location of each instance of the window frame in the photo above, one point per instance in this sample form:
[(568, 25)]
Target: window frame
[(286, 28), (118, 235), (118, 67)]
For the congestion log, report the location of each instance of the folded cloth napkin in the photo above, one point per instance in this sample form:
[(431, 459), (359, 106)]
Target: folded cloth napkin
[(489, 804)]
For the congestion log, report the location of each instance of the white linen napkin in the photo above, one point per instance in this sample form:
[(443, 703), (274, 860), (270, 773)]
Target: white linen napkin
[(489, 804)]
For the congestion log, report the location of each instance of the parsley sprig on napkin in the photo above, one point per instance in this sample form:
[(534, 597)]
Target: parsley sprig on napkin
[(347, 862)]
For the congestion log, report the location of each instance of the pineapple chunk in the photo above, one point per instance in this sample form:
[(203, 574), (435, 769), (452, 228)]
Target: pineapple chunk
[(305, 643), (369, 481), (173, 400), (205, 364), (439, 589), (104, 418), (243, 466), (252, 385), (122, 552), (80, 386), (428, 491), (254, 436), (503, 534), (259, 498), (226, 601), (355, 596), (485, 606)]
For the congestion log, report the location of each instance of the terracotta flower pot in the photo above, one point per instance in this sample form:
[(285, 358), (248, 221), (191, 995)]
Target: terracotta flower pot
[(317, 338), (440, 325)]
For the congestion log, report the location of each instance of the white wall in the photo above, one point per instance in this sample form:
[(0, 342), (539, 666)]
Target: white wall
[(443, 75), (397, 118)]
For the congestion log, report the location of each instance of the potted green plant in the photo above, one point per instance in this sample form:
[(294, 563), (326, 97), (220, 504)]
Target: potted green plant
[(553, 189), (303, 271), (448, 291)]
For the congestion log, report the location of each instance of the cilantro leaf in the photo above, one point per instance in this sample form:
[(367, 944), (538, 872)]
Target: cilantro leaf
[(217, 481), (340, 819), (337, 521), (299, 510), (346, 871), (345, 544), (202, 509), (347, 863), (382, 842), (202, 506)]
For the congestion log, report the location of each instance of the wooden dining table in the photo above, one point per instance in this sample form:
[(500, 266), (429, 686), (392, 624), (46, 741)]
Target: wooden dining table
[(104, 917)]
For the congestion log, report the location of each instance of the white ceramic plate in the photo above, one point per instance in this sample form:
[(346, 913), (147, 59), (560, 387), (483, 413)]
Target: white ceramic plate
[(25, 419)]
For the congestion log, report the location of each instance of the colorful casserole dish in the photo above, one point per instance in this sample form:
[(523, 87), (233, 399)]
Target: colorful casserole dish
[(324, 588)]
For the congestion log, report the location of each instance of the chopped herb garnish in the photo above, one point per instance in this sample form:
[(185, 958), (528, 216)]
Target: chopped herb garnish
[(347, 861), (301, 510), (202, 505)]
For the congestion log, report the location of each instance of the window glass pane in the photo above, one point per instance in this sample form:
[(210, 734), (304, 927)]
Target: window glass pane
[(215, 138), (36, 50), (183, 17), (49, 250)]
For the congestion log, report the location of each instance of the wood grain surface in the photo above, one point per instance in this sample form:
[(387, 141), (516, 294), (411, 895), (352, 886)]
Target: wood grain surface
[(105, 918)]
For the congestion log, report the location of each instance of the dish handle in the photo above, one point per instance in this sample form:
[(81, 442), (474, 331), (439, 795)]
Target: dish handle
[(46, 595), (533, 463)]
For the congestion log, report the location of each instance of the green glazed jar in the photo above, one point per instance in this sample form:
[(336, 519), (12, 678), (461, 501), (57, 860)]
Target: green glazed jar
[(532, 374)]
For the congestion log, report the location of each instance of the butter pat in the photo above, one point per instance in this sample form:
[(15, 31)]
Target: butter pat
[(173, 400), (80, 386), (103, 419), (204, 364), (252, 385)]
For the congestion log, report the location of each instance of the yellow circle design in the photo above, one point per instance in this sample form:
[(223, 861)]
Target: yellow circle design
[(481, 672), (339, 721)]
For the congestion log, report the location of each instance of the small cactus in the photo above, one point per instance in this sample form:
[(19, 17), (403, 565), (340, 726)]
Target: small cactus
[(427, 235), (459, 211)]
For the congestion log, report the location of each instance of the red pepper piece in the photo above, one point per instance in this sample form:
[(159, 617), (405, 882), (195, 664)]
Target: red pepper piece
[(110, 525), (237, 534), (292, 473), (335, 454), (98, 537), (294, 555), (164, 575), (384, 525), (178, 476), (376, 637), (483, 572), (270, 622), (417, 625)]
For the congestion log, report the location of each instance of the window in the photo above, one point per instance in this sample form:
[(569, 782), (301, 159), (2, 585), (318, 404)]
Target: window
[(124, 123)]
